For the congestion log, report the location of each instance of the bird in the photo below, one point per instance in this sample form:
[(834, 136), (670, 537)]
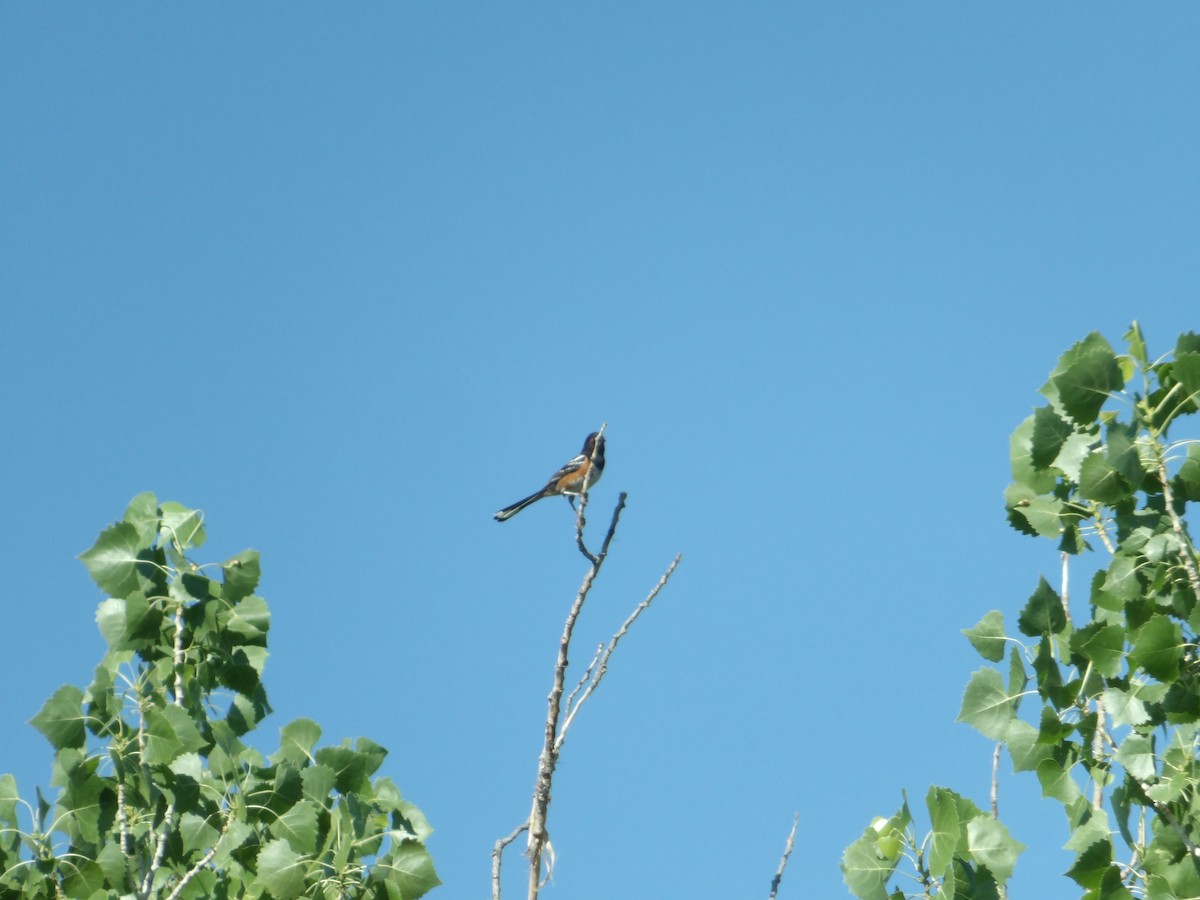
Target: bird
[(571, 480)]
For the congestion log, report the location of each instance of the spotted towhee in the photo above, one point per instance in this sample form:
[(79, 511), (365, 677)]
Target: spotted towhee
[(572, 479)]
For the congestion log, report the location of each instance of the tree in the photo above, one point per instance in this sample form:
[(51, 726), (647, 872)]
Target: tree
[(562, 707), (1105, 712), (158, 793)]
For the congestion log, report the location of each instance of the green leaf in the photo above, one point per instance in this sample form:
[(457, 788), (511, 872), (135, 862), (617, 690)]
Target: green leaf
[(409, 867), (1158, 648), (112, 863), (1124, 707), (281, 870), (1122, 451), (1092, 862), (991, 845), (1186, 369), (296, 741), (1161, 546), (1025, 473), (112, 560), (1085, 376), (1187, 342), (1158, 888), (1075, 450), (1044, 515), (110, 618), (1112, 886), (1100, 481), (1188, 480), (1095, 828), (298, 826), (1052, 730), (864, 870), (1136, 754), (414, 820), (83, 880), (142, 514), (249, 619), (182, 526), (1026, 751), (1136, 343), (1101, 645), (61, 718), (235, 835), (1050, 432), (1056, 782), (197, 833), (170, 732), (986, 704), (241, 575), (944, 836), (988, 636), (81, 800), (352, 765), (1043, 614), (9, 798), (1018, 678), (1121, 580), (318, 781)]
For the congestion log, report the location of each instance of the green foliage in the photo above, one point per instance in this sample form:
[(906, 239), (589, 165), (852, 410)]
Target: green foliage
[(965, 853), (158, 794), (1110, 725)]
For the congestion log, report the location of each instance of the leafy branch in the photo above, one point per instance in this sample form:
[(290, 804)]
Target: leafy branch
[(158, 794), (1115, 714)]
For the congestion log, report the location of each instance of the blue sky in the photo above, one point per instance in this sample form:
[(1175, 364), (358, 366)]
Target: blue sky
[(350, 278)]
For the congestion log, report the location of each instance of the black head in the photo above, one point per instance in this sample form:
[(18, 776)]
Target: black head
[(593, 448)]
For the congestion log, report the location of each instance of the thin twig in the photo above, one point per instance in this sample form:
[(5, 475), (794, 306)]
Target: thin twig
[(580, 524), (1102, 533), (204, 860), (1098, 749), (498, 854), (612, 646), (996, 781), (1066, 585), (583, 679), (178, 654), (783, 861), (193, 871)]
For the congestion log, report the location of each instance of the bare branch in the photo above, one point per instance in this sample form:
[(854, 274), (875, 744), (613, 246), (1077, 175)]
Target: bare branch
[(548, 759), (996, 780), (580, 524), (498, 854), (783, 861), (612, 646), (193, 871), (583, 680), (1066, 585), (1098, 748)]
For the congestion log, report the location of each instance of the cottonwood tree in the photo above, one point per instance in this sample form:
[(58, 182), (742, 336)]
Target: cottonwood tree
[(1103, 710), (158, 792)]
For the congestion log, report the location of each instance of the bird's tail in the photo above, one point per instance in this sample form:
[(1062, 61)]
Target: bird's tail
[(509, 511)]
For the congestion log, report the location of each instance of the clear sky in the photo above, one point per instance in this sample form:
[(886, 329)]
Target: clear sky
[(351, 277)]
